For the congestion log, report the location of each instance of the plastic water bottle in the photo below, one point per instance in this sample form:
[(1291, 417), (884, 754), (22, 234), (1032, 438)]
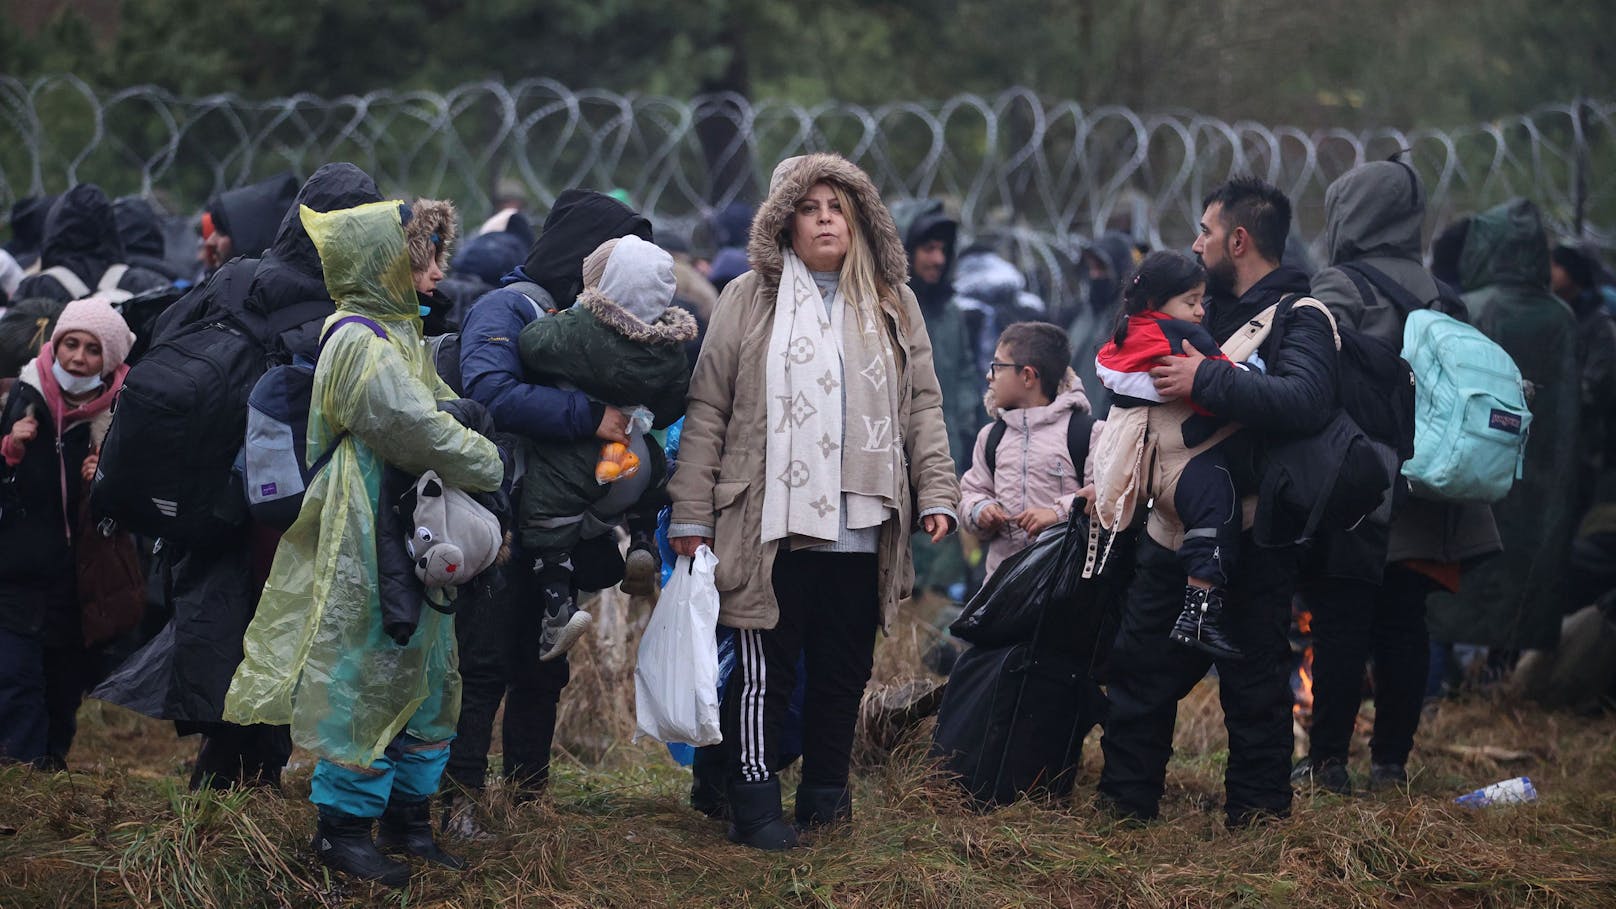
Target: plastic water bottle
[(1517, 791)]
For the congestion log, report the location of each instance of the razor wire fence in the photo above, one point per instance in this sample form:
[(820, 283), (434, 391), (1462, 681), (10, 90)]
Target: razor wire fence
[(1033, 176)]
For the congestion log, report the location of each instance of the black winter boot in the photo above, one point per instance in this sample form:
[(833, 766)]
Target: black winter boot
[(821, 806), (1200, 625), (407, 827), (755, 816), (342, 843), (707, 789)]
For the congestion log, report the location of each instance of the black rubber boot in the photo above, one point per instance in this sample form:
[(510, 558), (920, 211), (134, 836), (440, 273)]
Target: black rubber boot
[(1200, 625), (707, 789), (821, 806), (756, 819), (407, 827), (342, 843)]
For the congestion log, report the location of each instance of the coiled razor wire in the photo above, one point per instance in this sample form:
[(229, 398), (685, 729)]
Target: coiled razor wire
[(1034, 177)]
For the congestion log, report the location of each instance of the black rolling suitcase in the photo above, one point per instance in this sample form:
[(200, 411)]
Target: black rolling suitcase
[(1014, 716)]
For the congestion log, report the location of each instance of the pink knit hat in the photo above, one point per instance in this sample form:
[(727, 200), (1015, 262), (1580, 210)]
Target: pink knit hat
[(95, 315)]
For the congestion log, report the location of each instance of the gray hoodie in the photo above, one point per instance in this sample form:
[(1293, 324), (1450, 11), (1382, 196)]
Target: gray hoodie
[(1373, 215)]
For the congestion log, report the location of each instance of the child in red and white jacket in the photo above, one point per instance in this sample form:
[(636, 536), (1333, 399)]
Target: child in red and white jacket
[(1183, 462)]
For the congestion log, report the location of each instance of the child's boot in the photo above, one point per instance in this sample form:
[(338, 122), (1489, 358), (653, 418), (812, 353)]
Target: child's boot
[(1201, 624), (641, 567), (563, 622)]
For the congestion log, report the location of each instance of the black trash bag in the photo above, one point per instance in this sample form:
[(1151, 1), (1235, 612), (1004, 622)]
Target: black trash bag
[(1006, 609)]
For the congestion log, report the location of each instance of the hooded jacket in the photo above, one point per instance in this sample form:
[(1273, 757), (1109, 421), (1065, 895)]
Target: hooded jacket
[(316, 653), (28, 228), (39, 501), (599, 348), (952, 355), (81, 235), (142, 233), (251, 215), (718, 487), (1032, 468), (1372, 216), (183, 673), (1515, 602), (490, 359)]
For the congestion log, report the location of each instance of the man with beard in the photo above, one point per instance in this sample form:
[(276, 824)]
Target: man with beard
[(928, 238), (1241, 242)]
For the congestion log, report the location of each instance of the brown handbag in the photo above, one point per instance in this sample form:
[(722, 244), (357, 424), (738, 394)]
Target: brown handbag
[(111, 586)]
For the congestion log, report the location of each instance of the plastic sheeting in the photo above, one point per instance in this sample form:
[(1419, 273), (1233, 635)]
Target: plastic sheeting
[(316, 653)]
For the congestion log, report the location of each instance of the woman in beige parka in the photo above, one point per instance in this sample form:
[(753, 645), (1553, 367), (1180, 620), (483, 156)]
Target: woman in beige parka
[(813, 446)]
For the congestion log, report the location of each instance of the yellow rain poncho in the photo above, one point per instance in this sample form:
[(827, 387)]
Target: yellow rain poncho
[(316, 655)]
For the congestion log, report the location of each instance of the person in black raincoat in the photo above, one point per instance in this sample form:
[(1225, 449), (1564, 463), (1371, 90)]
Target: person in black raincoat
[(183, 673), (81, 236)]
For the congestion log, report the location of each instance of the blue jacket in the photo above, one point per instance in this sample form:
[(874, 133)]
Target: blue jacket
[(491, 367)]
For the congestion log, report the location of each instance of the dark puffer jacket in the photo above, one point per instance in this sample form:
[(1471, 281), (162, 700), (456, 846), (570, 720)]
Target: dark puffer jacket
[(81, 235), (1515, 601), (37, 577), (613, 357), (490, 361)]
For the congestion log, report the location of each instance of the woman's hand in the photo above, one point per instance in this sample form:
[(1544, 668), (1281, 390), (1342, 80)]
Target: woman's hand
[(1035, 520), (25, 430), (938, 525), (87, 470), (687, 546)]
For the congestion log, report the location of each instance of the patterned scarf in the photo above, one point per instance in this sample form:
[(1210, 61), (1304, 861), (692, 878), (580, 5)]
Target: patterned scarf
[(832, 429)]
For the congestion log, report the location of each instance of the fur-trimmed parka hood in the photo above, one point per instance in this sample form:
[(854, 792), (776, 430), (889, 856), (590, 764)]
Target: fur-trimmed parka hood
[(792, 179), (674, 326), (430, 218)]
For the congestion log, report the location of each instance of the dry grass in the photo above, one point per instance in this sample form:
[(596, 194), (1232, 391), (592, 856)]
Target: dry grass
[(615, 831)]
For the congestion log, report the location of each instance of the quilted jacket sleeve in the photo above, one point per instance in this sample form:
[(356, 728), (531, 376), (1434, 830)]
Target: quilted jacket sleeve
[(1296, 397)]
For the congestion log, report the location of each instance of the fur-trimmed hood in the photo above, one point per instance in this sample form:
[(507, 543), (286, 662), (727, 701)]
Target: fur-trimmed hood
[(429, 217), (792, 179), (674, 326)]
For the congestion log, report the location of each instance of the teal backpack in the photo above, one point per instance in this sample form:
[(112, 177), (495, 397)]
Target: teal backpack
[(1470, 414)]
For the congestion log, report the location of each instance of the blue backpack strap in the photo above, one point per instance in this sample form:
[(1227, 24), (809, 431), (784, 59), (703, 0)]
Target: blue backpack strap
[(381, 332), (368, 323)]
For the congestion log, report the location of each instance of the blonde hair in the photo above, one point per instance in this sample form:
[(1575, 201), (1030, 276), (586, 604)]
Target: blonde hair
[(860, 280)]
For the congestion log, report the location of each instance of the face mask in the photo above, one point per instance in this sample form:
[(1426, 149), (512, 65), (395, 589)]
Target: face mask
[(426, 311), (74, 385)]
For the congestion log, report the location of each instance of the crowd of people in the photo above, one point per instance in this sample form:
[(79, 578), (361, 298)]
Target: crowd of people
[(844, 406)]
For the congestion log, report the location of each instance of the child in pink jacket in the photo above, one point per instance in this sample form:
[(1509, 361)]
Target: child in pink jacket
[(1033, 481)]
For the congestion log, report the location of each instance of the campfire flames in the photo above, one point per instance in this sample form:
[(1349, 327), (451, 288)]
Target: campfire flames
[(1302, 678)]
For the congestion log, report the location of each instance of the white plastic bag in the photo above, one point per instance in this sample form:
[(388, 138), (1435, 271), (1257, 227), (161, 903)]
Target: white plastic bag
[(676, 681)]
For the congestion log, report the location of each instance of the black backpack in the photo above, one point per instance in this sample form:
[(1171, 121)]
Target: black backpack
[(167, 464), (1078, 428), (1342, 474)]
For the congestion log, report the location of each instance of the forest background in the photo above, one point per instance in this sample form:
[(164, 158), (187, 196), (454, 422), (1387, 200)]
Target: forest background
[(1404, 63)]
